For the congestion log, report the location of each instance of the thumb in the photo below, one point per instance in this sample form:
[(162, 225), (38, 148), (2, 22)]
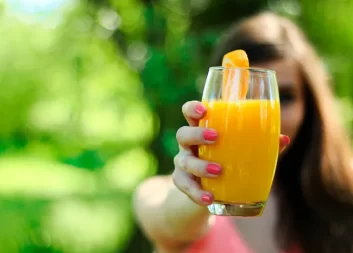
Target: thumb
[(283, 142)]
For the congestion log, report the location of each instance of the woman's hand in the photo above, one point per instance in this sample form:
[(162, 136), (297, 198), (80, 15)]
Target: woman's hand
[(188, 167)]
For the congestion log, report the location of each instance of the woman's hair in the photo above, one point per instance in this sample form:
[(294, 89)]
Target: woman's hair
[(314, 178)]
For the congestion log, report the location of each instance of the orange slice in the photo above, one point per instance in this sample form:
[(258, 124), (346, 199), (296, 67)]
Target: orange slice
[(235, 82)]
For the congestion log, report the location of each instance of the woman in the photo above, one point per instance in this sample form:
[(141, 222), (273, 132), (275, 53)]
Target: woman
[(310, 208)]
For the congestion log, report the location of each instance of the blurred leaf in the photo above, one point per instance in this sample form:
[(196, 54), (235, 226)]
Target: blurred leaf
[(40, 178)]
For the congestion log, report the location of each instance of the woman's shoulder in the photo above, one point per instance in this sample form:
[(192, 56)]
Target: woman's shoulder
[(222, 237)]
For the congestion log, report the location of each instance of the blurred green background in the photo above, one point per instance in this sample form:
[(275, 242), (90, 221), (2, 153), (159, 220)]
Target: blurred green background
[(90, 101)]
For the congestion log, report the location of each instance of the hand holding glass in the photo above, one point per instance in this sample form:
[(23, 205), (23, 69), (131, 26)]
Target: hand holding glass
[(245, 112)]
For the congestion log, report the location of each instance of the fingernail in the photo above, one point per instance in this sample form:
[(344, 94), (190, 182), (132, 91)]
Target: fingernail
[(213, 169), (207, 198), (210, 135), (287, 139), (200, 109)]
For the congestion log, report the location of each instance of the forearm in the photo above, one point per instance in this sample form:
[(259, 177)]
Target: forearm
[(168, 215), (186, 220)]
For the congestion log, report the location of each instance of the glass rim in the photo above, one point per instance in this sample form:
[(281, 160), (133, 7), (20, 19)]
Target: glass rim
[(251, 69)]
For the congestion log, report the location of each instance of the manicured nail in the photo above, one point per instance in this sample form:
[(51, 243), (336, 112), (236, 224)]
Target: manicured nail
[(207, 198), (286, 139), (200, 109), (210, 135), (213, 169)]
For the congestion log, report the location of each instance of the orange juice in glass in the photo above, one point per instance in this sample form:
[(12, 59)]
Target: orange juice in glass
[(248, 126)]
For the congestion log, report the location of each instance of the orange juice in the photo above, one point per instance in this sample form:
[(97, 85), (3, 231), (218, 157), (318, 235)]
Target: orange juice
[(247, 149)]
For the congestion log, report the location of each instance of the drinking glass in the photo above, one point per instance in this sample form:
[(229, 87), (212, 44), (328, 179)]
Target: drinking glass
[(243, 107)]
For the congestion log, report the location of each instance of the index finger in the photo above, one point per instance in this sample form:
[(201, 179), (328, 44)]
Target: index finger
[(193, 111)]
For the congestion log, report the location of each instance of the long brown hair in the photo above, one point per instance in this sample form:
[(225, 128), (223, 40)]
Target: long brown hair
[(315, 176)]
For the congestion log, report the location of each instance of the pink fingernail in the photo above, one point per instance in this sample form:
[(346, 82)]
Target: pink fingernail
[(207, 198), (213, 169), (287, 139), (210, 135), (200, 109)]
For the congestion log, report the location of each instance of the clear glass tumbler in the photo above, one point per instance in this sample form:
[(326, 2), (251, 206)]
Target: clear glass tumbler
[(243, 107)]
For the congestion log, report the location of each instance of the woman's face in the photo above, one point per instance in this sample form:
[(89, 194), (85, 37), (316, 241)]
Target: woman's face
[(291, 94)]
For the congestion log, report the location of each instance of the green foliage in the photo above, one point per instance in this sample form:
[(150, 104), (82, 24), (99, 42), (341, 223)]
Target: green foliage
[(73, 136)]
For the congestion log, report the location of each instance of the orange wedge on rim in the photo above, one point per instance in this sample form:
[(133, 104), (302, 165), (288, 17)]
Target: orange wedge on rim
[(235, 81)]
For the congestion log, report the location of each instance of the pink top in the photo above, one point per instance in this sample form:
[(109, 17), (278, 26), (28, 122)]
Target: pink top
[(223, 237)]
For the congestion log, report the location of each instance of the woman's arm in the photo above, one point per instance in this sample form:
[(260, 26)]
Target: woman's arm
[(168, 217), (163, 204)]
